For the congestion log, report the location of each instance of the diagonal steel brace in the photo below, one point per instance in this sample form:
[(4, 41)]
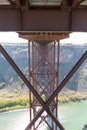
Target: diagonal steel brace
[(59, 88), (15, 67), (44, 104)]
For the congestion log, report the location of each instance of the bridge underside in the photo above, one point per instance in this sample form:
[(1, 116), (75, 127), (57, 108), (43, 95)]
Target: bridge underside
[(44, 79), (43, 15), (43, 20), (44, 25), (43, 83)]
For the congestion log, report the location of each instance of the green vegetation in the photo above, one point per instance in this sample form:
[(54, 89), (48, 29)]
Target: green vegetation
[(13, 92), (69, 55), (73, 96), (20, 103)]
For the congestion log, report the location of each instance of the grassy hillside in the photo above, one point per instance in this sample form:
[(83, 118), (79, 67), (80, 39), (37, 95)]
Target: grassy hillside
[(69, 55), (15, 95)]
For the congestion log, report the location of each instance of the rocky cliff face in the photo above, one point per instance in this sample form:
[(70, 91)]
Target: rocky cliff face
[(69, 55)]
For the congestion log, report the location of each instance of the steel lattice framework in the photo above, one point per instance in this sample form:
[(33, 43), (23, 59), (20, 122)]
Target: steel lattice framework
[(49, 18), (44, 79), (43, 83)]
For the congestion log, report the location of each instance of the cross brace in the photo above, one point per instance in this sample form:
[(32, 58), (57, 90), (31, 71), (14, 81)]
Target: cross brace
[(25, 80), (45, 105), (60, 87)]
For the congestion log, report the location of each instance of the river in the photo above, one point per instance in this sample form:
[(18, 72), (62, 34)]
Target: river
[(72, 115), (16, 120)]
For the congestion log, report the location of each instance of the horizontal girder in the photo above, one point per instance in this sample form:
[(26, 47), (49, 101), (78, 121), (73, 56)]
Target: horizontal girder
[(42, 20), (43, 36)]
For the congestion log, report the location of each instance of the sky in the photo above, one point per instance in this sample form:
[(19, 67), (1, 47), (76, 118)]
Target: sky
[(11, 37), (75, 38)]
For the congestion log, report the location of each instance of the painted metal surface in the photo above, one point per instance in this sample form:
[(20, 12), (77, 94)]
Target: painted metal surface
[(21, 15), (32, 89), (44, 79), (29, 15), (45, 105), (44, 20)]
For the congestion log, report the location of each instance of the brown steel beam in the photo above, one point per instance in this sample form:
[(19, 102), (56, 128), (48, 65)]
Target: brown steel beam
[(74, 4), (22, 2), (62, 84), (18, 71), (44, 20), (9, 19), (69, 2), (17, 2), (78, 23), (45, 105), (44, 37), (64, 5), (66, 79), (46, 108), (11, 2), (44, 7)]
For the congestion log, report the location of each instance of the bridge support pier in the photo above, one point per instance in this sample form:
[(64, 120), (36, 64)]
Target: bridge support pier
[(43, 83), (43, 75)]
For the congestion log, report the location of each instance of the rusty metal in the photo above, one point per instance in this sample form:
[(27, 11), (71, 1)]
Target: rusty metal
[(19, 72), (34, 92), (69, 75), (29, 66), (50, 36), (20, 15), (49, 104), (25, 20), (62, 84), (73, 70), (43, 75)]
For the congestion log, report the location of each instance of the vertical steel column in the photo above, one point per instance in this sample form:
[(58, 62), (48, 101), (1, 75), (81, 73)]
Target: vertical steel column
[(49, 104), (44, 78), (32, 97), (29, 68), (58, 61)]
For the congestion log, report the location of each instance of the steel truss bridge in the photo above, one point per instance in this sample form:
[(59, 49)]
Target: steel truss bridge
[(43, 23)]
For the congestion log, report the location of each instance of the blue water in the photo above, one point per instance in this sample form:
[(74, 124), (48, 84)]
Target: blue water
[(17, 120), (73, 116)]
